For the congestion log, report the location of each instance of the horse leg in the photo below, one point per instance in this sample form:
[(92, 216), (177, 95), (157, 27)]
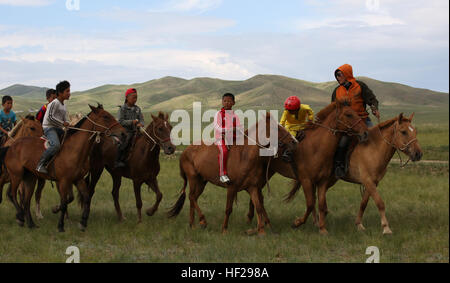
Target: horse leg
[(28, 185), (266, 217), (12, 195), (153, 184), (309, 192), (322, 209), (254, 194), (231, 195), (362, 208), (117, 181), (251, 212), (37, 197), (63, 188), (86, 200), (2, 183), (371, 187), (195, 190), (137, 194), (95, 175), (201, 217)]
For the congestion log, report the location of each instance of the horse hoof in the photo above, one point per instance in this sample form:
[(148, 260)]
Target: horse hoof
[(261, 233), (203, 225), (296, 224), (387, 231), (224, 231), (252, 232), (360, 227), (39, 217), (55, 209), (323, 232), (81, 227), (20, 222), (61, 230), (150, 211)]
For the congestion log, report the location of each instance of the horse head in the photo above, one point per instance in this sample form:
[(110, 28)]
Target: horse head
[(160, 129), (405, 138)]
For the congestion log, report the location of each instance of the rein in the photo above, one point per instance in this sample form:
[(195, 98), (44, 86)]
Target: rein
[(397, 149), (161, 141), (334, 131)]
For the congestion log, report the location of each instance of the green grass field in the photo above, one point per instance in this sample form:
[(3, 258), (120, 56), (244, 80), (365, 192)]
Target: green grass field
[(416, 197)]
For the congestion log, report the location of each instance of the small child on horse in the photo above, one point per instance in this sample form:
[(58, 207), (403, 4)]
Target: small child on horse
[(7, 118), (225, 125), (296, 115), (50, 95), (55, 119), (131, 118)]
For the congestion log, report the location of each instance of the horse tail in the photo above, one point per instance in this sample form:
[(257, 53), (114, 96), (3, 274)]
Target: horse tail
[(295, 187), (175, 210), (3, 152)]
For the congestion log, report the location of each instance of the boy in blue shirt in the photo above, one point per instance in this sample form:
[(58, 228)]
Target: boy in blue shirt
[(7, 118)]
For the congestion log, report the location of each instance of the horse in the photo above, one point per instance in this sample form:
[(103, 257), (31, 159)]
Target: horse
[(246, 169), (26, 127), (314, 155), (368, 162), (142, 165), (69, 166)]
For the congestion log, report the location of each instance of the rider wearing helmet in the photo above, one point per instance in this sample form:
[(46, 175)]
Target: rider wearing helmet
[(359, 95), (295, 115)]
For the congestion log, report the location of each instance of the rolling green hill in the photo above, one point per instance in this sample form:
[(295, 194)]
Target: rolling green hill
[(261, 91)]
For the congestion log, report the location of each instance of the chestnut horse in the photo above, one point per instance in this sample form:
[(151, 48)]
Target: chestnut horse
[(69, 166), (314, 155), (368, 162), (26, 127), (246, 168), (142, 165)]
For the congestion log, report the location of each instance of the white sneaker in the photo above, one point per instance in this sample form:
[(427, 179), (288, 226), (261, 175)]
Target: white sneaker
[(225, 179)]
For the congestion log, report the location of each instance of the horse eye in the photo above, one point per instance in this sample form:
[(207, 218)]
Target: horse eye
[(404, 133), (160, 129), (348, 115), (33, 129)]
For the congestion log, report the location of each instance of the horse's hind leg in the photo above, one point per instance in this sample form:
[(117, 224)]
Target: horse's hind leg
[(251, 212), (309, 191), (37, 197), (86, 202), (153, 184), (63, 189), (12, 194), (254, 194)]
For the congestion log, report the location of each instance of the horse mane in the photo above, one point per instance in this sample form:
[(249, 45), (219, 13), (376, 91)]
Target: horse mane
[(389, 122), (30, 117), (77, 125), (321, 116)]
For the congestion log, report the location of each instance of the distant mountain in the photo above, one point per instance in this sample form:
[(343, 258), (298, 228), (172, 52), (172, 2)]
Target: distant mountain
[(25, 91), (261, 91)]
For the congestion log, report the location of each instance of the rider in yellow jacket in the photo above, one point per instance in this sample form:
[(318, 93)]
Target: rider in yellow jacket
[(296, 115)]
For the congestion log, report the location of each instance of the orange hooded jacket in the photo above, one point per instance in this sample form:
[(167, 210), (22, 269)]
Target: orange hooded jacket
[(353, 94)]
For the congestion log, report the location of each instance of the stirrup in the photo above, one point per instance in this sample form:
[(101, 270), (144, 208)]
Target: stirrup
[(224, 179)]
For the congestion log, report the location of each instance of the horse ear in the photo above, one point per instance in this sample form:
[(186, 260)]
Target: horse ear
[(400, 118), (99, 106), (161, 115), (153, 117), (411, 117), (166, 117), (93, 108)]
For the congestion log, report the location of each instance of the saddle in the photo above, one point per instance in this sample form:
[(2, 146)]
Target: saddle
[(47, 143)]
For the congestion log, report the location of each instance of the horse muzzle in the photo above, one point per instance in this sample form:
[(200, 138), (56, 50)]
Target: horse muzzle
[(363, 137)]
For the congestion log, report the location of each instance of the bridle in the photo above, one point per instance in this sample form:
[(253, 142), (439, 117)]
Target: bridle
[(160, 140), (401, 148), (349, 131)]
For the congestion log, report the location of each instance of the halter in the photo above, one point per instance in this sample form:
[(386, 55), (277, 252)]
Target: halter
[(161, 141), (397, 149)]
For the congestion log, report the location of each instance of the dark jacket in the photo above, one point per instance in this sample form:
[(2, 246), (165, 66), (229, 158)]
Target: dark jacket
[(128, 114)]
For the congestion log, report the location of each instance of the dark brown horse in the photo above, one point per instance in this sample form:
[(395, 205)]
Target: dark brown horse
[(314, 155), (142, 165), (246, 169), (69, 166), (27, 127), (368, 162)]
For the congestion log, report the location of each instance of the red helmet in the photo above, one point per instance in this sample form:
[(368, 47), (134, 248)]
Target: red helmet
[(292, 103)]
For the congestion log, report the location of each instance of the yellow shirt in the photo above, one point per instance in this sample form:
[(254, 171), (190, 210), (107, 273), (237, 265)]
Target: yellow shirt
[(305, 114)]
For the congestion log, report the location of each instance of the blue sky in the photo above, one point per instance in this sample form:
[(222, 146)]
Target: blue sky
[(43, 42)]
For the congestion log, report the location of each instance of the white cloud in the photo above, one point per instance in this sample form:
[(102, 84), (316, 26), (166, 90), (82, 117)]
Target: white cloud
[(26, 2)]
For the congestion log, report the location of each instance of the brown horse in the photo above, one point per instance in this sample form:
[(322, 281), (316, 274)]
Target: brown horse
[(27, 127), (368, 162), (246, 169), (69, 166), (314, 155), (142, 165)]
